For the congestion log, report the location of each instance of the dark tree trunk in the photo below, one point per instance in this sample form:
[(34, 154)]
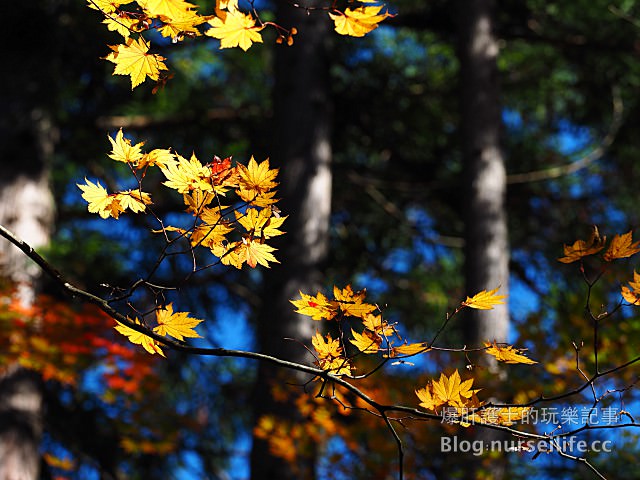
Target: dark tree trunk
[(27, 137), (303, 151)]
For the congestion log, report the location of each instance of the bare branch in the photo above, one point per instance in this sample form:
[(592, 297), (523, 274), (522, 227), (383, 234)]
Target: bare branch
[(584, 161)]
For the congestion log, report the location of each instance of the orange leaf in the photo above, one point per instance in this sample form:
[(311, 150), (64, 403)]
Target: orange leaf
[(632, 295), (352, 303), (621, 247), (582, 248)]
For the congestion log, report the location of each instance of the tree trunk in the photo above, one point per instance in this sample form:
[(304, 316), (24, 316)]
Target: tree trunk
[(303, 151), (26, 208), (486, 235)]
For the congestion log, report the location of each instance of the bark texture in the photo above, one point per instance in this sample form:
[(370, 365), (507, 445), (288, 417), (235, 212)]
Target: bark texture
[(486, 234), (26, 208), (302, 149)]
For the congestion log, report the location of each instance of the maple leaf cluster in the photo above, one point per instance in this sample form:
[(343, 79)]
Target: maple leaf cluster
[(380, 337), (202, 187), (235, 234), (377, 336), (177, 325), (621, 246), (462, 404), (178, 19)]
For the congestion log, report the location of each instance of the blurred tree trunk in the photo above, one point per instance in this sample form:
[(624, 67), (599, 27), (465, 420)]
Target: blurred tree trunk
[(27, 209), (27, 138), (486, 235), (302, 149)]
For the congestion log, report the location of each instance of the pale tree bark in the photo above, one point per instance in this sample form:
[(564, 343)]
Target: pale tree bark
[(486, 236), (26, 208), (302, 149)]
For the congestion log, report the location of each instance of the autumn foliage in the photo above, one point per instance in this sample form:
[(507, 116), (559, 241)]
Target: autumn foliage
[(228, 217), (179, 20)]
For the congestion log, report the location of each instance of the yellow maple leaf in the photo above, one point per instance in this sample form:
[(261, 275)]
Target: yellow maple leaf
[(357, 22), (248, 250), (366, 341), (185, 24), (123, 25), (452, 390), (352, 303), (329, 354), (507, 354), (582, 248), (260, 223), (167, 8), (159, 156), (179, 325), (197, 200), (485, 300), (134, 60), (427, 400), (255, 252), (256, 179), (376, 324), (212, 231), (100, 201), (148, 343), (410, 349), (187, 175), (236, 29), (622, 246), (317, 307), (134, 200), (632, 295), (123, 151), (107, 6)]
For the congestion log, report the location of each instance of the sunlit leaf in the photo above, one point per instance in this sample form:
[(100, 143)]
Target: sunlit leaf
[(507, 354), (351, 303), (134, 60), (583, 248), (485, 300), (317, 307), (357, 22), (148, 343), (236, 29), (178, 324), (622, 246)]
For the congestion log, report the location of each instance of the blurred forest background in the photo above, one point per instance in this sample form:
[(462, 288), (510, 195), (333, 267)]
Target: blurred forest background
[(375, 140)]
